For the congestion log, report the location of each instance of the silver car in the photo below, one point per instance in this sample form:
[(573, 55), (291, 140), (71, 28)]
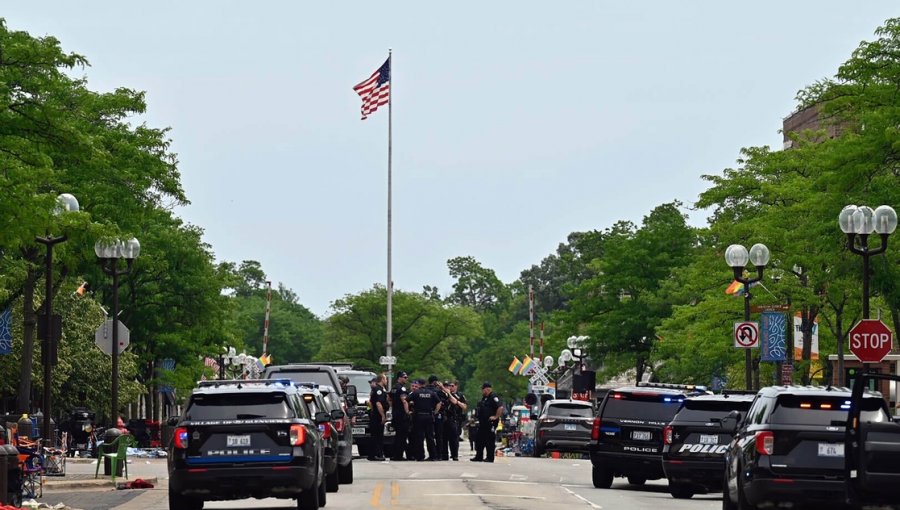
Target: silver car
[(563, 425)]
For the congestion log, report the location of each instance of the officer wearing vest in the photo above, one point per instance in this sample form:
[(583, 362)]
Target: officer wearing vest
[(427, 404), (400, 416), (440, 416), (455, 414), (488, 412), (414, 448), (379, 402)]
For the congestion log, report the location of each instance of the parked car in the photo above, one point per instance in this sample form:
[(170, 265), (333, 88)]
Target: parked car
[(696, 441), (359, 410), (564, 425), (791, 447), (246, 438), (626, 437), (341, 423), (315, 403), (306, 372)]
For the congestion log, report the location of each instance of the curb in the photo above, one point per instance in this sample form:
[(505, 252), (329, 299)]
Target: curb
[(92, 483)]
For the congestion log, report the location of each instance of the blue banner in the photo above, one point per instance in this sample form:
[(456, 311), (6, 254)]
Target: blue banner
[(772, 331), (6, 331)]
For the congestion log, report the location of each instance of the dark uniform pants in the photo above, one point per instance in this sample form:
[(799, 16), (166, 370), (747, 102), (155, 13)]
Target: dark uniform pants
[(450, 439), (425, 431), (441, 452), (485, 442), (376, 426), (401, 429), (414, 448)]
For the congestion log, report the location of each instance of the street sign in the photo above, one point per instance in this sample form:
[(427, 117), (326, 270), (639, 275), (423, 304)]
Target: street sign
[(746, 334), (538, 388), (387, 360), (103, 337), (871, 340)]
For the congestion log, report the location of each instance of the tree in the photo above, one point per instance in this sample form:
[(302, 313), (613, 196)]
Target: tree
[(476, 286)]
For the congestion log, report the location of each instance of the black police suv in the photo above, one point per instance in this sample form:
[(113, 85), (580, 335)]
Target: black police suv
[(627, 434), (695, 442), (338, 452), (790, 447), (564, 425), (359, 409), (243, 439)]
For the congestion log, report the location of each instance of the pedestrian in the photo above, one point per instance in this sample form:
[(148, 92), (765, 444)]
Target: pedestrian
[(415, 448), (400, 416), (454, 415), (427, 404), (488, 412), (440, 417), (377, 417), (472, 431)]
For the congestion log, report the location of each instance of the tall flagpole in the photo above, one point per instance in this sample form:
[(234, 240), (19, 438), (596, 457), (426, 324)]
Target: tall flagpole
[(390, 283)]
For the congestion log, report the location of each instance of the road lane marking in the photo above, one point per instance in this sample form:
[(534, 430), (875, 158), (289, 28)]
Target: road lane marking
[(468, 475), (376, 495), (582, 498), (518, 478), (438, 480), (395, 492), (485, 495)]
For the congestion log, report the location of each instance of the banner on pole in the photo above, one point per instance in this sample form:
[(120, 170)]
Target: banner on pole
[(773, 331), (798, 338), (6, 331)]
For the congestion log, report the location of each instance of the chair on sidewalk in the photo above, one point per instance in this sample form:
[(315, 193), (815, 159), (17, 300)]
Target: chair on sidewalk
[(121, 445), (32, 471)]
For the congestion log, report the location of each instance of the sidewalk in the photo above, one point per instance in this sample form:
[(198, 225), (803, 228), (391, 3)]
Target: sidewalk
[(80, 474)]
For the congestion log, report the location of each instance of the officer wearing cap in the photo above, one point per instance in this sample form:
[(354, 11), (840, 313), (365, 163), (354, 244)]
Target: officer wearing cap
[(400, 415), (454, 416), (488, 412), (377, 417), (414, 448), (440, 416), (427, 404)]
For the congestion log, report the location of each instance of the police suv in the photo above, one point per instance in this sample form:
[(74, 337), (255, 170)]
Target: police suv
[(627, 434), (243, 439), (696, 440)]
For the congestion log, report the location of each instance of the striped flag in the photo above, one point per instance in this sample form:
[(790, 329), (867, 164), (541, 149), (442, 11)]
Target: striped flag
[(515, 365), (527, 364), (375, 90), (211, 363)]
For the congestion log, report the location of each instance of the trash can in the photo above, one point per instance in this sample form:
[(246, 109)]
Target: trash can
[(108, 437), (9, 475)]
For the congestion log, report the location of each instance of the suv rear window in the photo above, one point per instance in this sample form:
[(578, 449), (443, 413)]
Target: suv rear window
[(234, 406), (301, 376), (569, 411), (704, 410), (640, 406), (808, 410)]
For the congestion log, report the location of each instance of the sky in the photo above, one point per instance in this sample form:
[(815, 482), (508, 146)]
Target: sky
[(514, 122)]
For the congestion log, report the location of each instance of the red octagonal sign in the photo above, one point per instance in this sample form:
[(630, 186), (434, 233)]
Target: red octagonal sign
[(871, 340)]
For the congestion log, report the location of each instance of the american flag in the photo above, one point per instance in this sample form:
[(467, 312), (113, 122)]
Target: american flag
[(211, 363), (375, 90)]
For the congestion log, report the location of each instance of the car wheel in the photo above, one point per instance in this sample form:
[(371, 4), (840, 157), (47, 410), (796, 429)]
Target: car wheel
[(637, 480), (332, 482), (727, 503), (179, 502), (538, 450), (743, 504), (323, 493), (345, 473), (681, 490), (602, 477), (309, 499)]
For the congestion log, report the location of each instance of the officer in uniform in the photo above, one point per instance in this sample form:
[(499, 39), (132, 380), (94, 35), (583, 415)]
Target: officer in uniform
[(454, 416), (488, 412), (440, 417), (427, 404), (414, 450), (379, 402), (400, 415)]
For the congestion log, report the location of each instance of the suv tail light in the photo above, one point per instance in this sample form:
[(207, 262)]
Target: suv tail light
[(667, 434), (339, 425), (180, 438), (298, 435), (595, 429), (325, 429), (765, 442)]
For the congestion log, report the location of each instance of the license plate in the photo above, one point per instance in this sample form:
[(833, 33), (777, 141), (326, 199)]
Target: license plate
[(359, 430), (641, 435), (831, 449), (709, 439), (237, 441), (570, 426)]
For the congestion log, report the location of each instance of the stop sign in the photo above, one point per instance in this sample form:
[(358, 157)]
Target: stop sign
[(870, 340)]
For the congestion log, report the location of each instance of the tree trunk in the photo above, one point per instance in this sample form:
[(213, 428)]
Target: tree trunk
[(638, 370), (24, 396), (807, 323)]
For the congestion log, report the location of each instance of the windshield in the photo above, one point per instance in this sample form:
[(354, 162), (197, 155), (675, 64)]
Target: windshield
[(231, 406), (569, 411), (302, 376), (361, 381), (804, 410), (642, 406), (705, 410)]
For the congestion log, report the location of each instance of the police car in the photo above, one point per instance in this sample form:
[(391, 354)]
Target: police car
[(696, 440), (246, 439)]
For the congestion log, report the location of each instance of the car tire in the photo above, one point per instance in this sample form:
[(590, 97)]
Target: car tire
[(179, 502), (637, 480), (727, 504), (602, 477), (332, 481), (345, 473), (309, 499), (681, 490), (742, 503), (323, 493), (538, 450)]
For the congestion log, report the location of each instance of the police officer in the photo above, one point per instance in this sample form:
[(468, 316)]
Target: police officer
[(488, 412), (378, 400), (455, 415), (440, 417), (400, 415), (427, 404), (415, 448)]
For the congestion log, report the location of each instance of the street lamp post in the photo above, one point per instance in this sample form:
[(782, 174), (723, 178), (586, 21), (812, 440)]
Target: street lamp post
[(109, 254), (859, 223), (736, 257), (65, 203)]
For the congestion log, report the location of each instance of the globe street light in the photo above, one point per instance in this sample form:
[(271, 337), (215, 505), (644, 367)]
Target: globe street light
[(859, 223), (736, 256), (64, 203), (109, 253)]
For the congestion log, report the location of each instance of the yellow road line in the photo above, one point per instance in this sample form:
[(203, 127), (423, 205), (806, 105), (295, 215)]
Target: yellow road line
[(376, 495), (395, 492)]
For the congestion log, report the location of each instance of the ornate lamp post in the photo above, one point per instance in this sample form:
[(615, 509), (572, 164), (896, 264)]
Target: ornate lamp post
[(859, 223), (109, 253), (65, 203), (736, 257)]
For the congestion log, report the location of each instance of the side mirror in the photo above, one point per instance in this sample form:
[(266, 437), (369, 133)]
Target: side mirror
[(322, 417), (172, 421), (352, 395), (896, 419), (337, 414)]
